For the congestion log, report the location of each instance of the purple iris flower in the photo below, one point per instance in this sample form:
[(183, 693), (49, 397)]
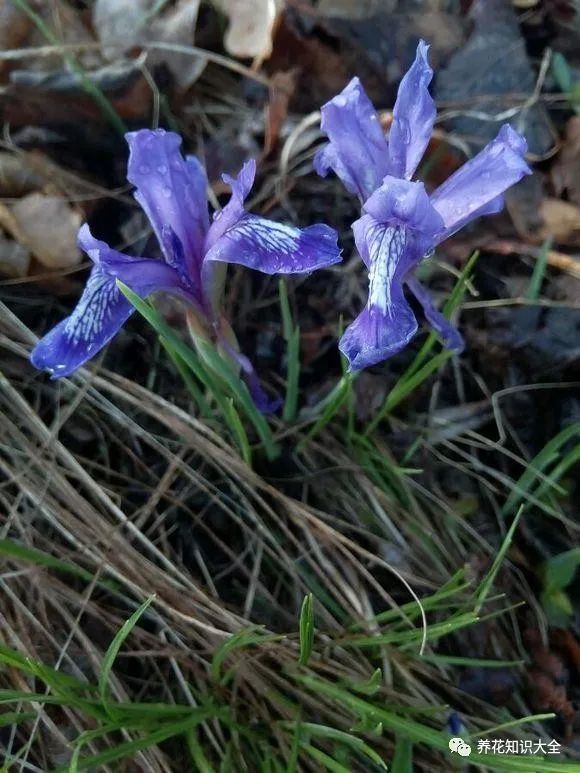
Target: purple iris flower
[(172, 191), (400, 222)]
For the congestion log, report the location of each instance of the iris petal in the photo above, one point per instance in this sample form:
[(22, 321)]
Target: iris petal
[(387, 323), (358, 150), (102, 309), (476, 187), (413, 117), (275, 248), (451, 337), (172, 191), (399, 202), (234, 209)]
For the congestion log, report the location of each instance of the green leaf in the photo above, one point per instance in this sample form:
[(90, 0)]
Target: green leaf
[(557, 607), (403, 758), (487, 582), (217, 373), (330, 406), (306, 629), (533, 291), (371, 686), (15, 550), (549, 454), (292, 338), (559, 570), (247, 637), (115, 646)]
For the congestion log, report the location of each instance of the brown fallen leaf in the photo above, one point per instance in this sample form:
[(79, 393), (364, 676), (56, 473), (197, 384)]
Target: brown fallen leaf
[(126, 25), (48, 227), (14, 259), (251, 25), (561, 220), (523, 202), (282, 87), (16, 177), (15, 27), (120, 25), (566, 169), (177, 27)]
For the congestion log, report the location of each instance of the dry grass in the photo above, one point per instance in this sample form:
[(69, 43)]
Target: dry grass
[(162, 505)]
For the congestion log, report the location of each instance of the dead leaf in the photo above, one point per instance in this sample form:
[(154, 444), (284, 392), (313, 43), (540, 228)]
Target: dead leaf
[(561, 221), (251, 25), (523, 202), (282, 87), (15, 27), (16, 178), (566, 169), (355, 9), (124, 25), (487, 83), (177, 27), (48, 227), (42, 98), (120, 25), (68, 26), (14, 259)]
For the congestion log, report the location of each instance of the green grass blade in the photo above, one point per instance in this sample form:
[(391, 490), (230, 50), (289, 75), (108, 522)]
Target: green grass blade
[(292, 376), (306, 629), (330, 407), (235, 423), (539, 464), (151, 738), (325, 760), (187, 377), (217, 368), (489, 579), (537, 278), (115, 646), (13, 549), (292, 338), (403, 758)]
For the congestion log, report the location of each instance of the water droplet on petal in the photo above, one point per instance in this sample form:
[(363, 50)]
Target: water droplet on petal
[(144, 169), (166, 191), (162, 169)]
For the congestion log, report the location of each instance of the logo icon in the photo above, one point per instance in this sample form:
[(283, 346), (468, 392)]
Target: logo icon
[(458, 745)]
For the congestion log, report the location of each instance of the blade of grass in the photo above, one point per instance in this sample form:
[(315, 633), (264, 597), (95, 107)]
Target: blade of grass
[(188, 378), (549, 453), (292, 338), (404, 387), (533, 291), (421, 365), (403, 757), (489, 579), (211, 358), (306, 629), (115, 646), (239, 432)]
